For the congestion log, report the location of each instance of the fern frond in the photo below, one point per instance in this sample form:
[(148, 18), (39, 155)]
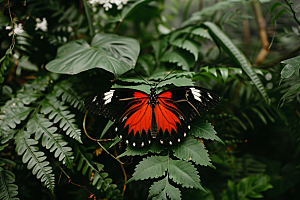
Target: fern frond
[(8, 190), (99, 180), (34, 158), (64, 89), (13, 115), (43, 127), (58, 112)]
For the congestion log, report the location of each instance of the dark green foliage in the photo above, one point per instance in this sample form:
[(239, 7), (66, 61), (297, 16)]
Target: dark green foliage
[(34, 158), (247, 148), (99, 179), (8, 190)]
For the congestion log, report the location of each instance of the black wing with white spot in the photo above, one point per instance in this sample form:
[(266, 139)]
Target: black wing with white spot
[(192, 101), (114, 103)]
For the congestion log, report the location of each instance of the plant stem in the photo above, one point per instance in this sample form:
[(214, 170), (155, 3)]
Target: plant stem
[(89, 18)]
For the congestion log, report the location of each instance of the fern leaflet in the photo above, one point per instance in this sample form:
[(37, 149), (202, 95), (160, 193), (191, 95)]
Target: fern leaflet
[(34, 158), (43, 127), (58, 112), (99, 180)]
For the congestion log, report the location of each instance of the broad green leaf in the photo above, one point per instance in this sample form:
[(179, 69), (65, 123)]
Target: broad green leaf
[(184, 173), (224, 73), (188, 45), (253, 186), (116, 54), (202, 32), (162, 188), (151, 167), (24, 63), (192, 149), (204, 130), (222, 39), (180, 57), (133, 151)]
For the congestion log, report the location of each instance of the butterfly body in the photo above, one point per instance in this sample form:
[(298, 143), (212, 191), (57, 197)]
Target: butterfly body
[(141, 117)]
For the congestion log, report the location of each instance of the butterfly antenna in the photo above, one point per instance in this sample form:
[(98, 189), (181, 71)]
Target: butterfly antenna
[(166, 76), (140, 76)]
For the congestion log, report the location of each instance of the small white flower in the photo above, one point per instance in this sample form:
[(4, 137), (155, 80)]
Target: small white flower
[(18, 29), (107, 4), (41, 24)]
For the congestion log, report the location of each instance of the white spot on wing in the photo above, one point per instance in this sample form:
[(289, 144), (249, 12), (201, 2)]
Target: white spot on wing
[(121, 136), (196, 94), (133, 144), (170, 142), (116, 129), (142, 144), (189, 127), (94, 99), (149, 141), (161, 141), (108, 96), (126, 141), (209, 96), (178, 140)]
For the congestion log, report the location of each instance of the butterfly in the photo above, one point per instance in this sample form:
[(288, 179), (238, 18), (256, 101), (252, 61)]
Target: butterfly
[(142, 117)]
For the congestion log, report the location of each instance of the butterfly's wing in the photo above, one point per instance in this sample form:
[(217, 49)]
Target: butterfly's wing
[(128, 108), (177, 107)]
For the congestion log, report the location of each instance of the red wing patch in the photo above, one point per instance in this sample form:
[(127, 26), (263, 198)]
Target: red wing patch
[(164, 111), (140, 114)]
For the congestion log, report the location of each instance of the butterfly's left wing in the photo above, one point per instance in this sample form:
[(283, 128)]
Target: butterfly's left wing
[(129, 109), (115, 104), (177, 107)]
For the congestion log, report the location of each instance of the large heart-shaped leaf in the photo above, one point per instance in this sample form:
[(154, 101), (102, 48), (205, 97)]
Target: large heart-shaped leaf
[(116, 54)]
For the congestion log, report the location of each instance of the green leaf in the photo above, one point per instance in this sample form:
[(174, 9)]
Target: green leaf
[(99, 178), (192, 149), (184, 173), (147, 62), (159, 47), (224, 73), (204, 130), (24, 63), (133, 151), (64, 89), (253, 186), (59, 113), (162, 188), (42, 127), (292, 66), (293, 90), (278, 14), (189, 45), (8, 190), (202, 32), (276, 5), (180, 57), (116, 54), (223, 40), (35, 159), (151, 167)]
